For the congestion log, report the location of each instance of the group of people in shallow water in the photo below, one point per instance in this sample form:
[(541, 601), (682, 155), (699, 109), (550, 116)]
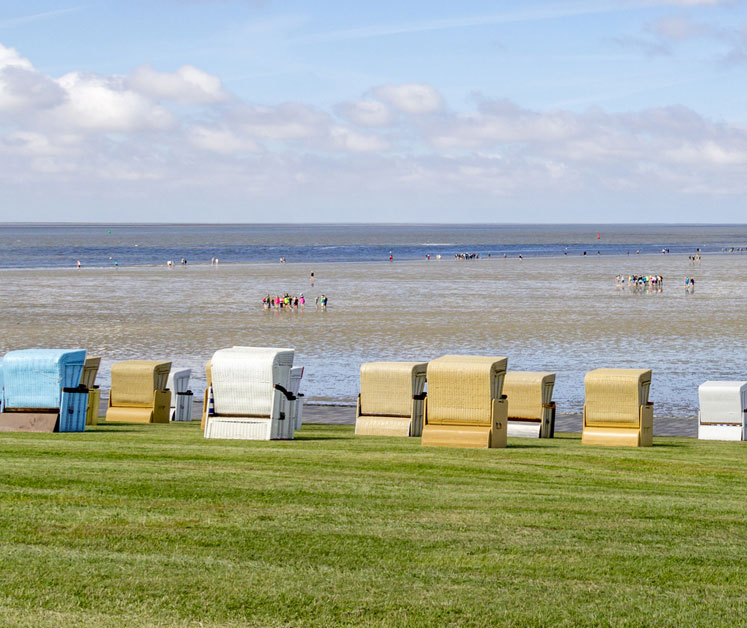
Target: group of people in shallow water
[(640, 283), (649, 283), (292, 303)]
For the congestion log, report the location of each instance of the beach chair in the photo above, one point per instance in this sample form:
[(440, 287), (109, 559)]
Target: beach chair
[(465, 406), (723, 411), (531, 411), (181, 396), (249, 394), (88, 379), (617, 411), (391, 399), (296, 405), (42, 391), (139, 392), (207, 400)]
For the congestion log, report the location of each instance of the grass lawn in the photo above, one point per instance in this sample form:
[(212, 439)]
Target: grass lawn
[(154, 526)]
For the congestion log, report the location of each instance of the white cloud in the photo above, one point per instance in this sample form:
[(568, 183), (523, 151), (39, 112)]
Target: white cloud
[(221, 140), (11, 57), (348, 139), (370, 113), (30, 143), (411, 98), (187, 85), (100, 103), (22, 87), (289, 121)]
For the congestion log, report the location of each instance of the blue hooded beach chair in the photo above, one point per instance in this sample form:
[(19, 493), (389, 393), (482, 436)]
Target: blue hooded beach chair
[(43, 384)]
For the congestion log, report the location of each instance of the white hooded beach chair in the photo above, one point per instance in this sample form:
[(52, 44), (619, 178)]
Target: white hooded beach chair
[(723, 411), (249, 395), (181, 396), (296, 406)]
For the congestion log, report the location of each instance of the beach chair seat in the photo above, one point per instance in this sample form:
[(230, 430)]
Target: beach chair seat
[(249, 394), (531, 410), (88, 379), (465, 406), (617, 411), (723, 410), (42, 391), (391, 399), (181, 396), (139, 392)]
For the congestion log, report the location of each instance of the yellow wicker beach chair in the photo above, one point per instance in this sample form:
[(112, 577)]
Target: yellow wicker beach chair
[(531, 411), (617, 411), (465, 406), (138, 393), (391, 399), (88, 379)]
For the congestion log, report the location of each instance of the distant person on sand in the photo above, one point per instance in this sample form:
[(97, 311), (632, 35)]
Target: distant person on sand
[(78, 264), (311, 280), (391, 257)]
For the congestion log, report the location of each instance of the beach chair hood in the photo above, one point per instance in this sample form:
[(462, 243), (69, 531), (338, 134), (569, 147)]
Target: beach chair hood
[(34, 378)]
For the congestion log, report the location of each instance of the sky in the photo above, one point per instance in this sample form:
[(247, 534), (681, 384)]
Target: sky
[(424, 111)]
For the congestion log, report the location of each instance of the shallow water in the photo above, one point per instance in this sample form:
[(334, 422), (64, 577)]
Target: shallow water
[(61, 245), (563, 315)]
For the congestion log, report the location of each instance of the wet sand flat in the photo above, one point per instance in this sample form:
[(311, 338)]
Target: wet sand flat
[(556, 314)]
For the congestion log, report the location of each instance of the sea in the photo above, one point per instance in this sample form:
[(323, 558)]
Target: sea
[(545, 296), (100, 245)]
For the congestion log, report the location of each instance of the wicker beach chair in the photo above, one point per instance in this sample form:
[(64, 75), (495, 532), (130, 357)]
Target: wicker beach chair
[(207, 400), (139, 392), (531, 411), (296, 405), (465, 406), (391, 399), (88, 379), (249, 394), (723, 411), (181, 396), (42, 391), (617, 411)]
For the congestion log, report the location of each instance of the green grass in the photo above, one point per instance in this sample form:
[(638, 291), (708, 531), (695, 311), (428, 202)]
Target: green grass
[(154, 526)]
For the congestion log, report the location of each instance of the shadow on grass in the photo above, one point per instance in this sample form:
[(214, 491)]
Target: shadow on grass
[(112, 428), (303, 437)]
